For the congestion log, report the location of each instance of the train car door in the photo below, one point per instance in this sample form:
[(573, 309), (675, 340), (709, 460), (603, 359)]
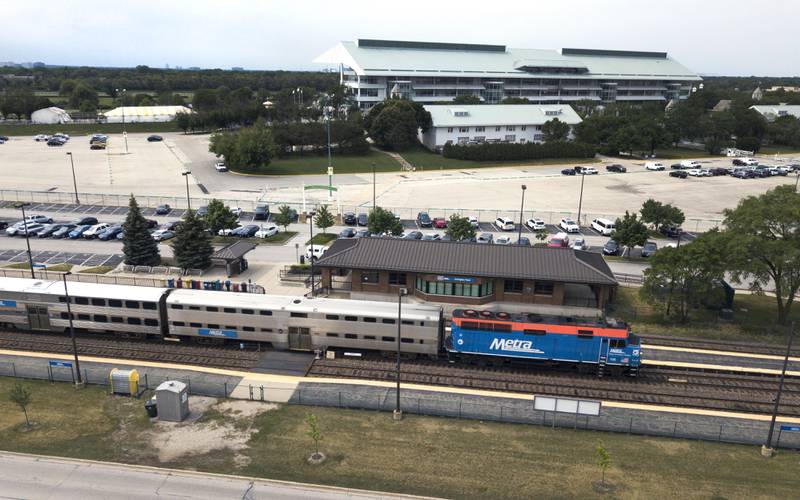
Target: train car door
[(603, 349), (299, 338), (38, 318)]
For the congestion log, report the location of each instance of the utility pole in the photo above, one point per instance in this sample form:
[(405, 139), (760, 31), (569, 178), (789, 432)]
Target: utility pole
[(27, 236), (580, 200), (373, 185), (188, 200), (124, 133), (311, 258), (330, 166), (74, 182), (72, 333), (521, 208), (766, 449), (398, 413)]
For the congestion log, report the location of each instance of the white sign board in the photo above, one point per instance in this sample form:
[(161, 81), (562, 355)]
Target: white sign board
[(573, 406)]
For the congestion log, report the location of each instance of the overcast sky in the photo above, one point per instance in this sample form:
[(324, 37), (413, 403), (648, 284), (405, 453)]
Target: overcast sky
[(708, 36)]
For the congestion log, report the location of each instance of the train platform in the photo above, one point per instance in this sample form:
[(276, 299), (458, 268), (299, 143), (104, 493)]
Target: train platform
[(656, 353), (284, 363)]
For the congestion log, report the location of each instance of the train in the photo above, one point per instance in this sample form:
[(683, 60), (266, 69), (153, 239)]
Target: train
[(316, 324)]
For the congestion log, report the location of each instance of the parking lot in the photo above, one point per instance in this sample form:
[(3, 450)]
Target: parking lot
[(49, 257)]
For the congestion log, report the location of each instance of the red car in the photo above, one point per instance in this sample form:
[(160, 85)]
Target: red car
[(440, 223)]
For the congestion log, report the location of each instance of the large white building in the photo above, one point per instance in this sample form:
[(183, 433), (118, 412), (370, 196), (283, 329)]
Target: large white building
[(50, 115), (430, 72), (773, 111), (138, 114), (477, 123)]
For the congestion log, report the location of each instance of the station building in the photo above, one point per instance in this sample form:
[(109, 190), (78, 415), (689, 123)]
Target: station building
[(467, 273), (429, 72)]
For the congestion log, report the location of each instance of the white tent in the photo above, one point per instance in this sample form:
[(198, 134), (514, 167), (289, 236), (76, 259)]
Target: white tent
[(137, 114), (50, 115)]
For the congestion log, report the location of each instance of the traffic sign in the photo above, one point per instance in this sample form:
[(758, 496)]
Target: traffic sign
[(790, 428), (61, 364)]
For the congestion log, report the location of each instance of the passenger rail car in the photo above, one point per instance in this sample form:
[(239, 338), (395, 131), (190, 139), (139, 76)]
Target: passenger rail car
[(608, 346)]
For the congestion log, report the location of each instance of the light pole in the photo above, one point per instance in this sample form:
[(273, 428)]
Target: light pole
[(328, 126), (580, 200), (74, 182), (72, 332), (27, 236), (796, 180), (398, 413), (521, 207), (373, 185), (124, 133), (766, 449), (311, 257), (188, 200)]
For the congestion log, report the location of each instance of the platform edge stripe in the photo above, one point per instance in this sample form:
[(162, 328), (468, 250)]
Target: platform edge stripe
[(718, 353)]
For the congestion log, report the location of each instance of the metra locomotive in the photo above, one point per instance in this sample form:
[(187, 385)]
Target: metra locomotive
[(606, 346)]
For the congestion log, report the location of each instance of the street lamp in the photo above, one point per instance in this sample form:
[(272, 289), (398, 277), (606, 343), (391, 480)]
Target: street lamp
[(398, 413), (27, 236), (72, 332), (521, 207), (373, 184), (124, 133), (188, 200), (328, 126), (311, 257), (766, 449), (74, 182), (796, 180), (580, 200)]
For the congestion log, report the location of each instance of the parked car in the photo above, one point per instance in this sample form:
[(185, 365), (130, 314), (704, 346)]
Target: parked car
[(694, 172), (163, 209), (579, 244), (363, 219), (349, 218), (503, 239), (41, 138), (654, 165), (247, 231), (716, 171), (121, 235), (55, 141), (95, 230), (676, 166), (611, 248), (750, 162), (78, 231), (567, 171), (314, 252), (413, 235), (523, 241), (536, 224), (63, 231), (227, 231), (589, 171), (670, 231), (236, 211), (3, 224), (163, 235), (220, 166), (171, 225), (150, 223), (110, 233), (21, 227), (649, 249), (738, 162), (347, 232), (61, 135), (266, 231), (560, 240), (424, 220), (202, 211), (603, 226), (742, 173), (484, 238), (48, 230), (431, 237), (97, 145), (440, 223), (616, 167), (690, 164), (39, 219), (679, 174), (505, 224), (785, 169), (31, 229), (362, 233), (154, 138), (261, 212), (473, 221), (569, 225)]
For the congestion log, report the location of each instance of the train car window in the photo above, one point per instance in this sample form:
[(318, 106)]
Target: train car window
[(268, 330), (248, 328), (81, 300), (229, 310), (407, 322), (117, 319), (470, 325), (213, 326), (298, 315), (83, 317), (195, 325), (388, 321), (150, 305), (351, 318), (387, 339), (99, 302), (406, 340), (421, 323), (176, 306), (369, 337), (265, 313), (229, 327), (329, 334), (421, 341), (248, 311), (64, 315), (534, 332), (114, 303), (174, 323), (617, 343), (191, 308), (332, 316), (101, 318), (212, 309), (369, 320), (633, 340), (134, 321), (502, 327), (350, 336), (151, 322), (132, 304), (62, 299), (585, 333)]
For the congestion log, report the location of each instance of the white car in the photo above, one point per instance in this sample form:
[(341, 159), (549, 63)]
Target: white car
[(590, 171), (504, 224), (473, 221), (40, 219), (315, 251), (536, 224), (706, 172), (227, 231), (654, 165), (694, 164), (20, 228), (579, 244), (163, 234), (502, 240), (41, 138), (569, 225), (694, 172), (95, 230), (61, 135), (220, 166), (236, 211), (266, 232)]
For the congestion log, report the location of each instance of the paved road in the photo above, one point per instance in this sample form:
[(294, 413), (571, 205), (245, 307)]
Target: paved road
[(32, 476)]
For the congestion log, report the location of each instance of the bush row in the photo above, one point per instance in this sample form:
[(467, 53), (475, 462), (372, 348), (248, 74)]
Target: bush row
[(500, 151)]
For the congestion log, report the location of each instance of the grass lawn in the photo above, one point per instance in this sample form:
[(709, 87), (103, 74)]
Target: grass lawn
[(97, 270), (419, 455), (76, 129), (318, 165), (753, 319), (322, 239), (57, 268), (422, 158), (278, 239)]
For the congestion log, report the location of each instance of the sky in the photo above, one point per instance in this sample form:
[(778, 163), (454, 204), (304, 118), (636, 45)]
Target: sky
[(712, 37)]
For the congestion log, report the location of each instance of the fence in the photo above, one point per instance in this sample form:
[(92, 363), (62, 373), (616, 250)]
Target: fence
[(520, 411), (85, 278)]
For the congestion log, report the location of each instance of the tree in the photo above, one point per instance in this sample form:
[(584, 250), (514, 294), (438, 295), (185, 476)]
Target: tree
[(323, 219), (629, 232), (138, 246), (459, 228), (764, 244), (542, 237), (555, 130), (219, 217), (603, 460), (183, 120), (382, 221), (247, 149), (515, 100), (466, 99), (314, 433), (81, 93), (284, 217), (192, 247), (394, 124), (658, 214), (21, 397)]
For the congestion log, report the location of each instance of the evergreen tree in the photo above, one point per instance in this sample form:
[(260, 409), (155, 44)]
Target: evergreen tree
[(138, 245), (192, 247), (323, 219)]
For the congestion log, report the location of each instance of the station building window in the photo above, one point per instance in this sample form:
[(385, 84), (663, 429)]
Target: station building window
[(512, 286), (543, 288), (397, 278), (370, 277), (455, 289)]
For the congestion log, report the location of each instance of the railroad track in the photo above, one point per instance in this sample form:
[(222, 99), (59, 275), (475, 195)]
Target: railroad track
[(716, 345), (731, 392), (221, 357)]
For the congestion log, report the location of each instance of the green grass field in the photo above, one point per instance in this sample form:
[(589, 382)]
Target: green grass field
[(424, 159), (318, 165), (462, 459), (78, 129)]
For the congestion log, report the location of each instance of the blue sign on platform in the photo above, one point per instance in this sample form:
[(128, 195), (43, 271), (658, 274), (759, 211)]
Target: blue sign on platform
[(455, 279), (61, 364), (790, 428), (206, 332), (8, 303)]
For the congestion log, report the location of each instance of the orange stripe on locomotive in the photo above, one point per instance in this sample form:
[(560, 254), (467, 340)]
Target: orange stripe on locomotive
[(576, 329)]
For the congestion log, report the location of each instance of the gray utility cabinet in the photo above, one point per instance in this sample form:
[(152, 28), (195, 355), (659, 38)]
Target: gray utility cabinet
[(172, 401)]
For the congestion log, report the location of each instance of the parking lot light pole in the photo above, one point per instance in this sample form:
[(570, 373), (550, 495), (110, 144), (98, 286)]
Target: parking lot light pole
[(766, 449), (124, 133), (74, 182), (398, 413), (796, 181), (521, 208), (580, 199), (27, 236), (78, 377), (373, 185), (328, 127), (188, 200), (311, 257)]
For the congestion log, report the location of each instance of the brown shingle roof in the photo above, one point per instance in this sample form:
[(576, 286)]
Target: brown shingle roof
[(234, 251), (469, 259)]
